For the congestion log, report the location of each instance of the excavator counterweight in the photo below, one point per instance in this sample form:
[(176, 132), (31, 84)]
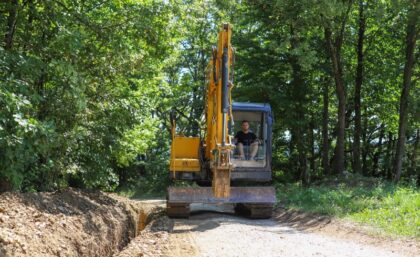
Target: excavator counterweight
[(217, 158)]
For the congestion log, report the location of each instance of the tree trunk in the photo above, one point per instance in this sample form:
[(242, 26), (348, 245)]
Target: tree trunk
[(29, 26), (325, 117), (334, 50), (357, 90), (292, 162), (312, 163), (298, 96), (413, 157), (408, 71), (366, 144), (11, 24), (304, 171), (388, 158), (377, 155)]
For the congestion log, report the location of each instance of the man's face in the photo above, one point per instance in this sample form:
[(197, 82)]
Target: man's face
[(245, 126)]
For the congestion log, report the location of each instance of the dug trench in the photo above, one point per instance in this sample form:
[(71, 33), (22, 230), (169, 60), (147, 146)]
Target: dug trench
[(76, 222)]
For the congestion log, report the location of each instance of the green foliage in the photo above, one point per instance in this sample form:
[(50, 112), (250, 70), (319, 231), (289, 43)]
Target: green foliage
[(78, 85), (86, 87), (135, 142), (149, 178), (391, 208), (282, 59)]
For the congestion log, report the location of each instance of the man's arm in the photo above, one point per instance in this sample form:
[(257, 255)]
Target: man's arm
[(236, 138), (254, 138)]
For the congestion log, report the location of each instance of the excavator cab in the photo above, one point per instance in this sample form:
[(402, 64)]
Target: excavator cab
[(260, 119), (212, 159)]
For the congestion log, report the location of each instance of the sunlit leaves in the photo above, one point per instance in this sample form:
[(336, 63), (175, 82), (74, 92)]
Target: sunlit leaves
[(78, 88)]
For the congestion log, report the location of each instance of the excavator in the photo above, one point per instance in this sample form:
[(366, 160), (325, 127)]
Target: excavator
[(213, 157)]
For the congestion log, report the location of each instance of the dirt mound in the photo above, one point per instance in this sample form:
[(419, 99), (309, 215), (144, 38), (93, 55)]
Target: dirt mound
[(66, 223)]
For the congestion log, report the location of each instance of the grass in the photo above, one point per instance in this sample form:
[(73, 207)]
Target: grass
[(394, 209)]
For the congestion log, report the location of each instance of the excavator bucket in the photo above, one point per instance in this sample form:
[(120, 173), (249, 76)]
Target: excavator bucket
[(253, 202)]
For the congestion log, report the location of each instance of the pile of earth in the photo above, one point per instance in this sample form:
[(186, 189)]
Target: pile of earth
[(69, 222)]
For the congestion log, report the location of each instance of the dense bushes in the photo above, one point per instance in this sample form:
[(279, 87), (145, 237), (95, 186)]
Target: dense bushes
[(78, 84)]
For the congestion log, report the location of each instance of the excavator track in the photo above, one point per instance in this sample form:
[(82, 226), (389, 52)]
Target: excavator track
[(251, 202)]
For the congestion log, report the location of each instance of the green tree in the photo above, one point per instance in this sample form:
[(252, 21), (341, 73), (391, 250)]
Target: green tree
[(411, 38)]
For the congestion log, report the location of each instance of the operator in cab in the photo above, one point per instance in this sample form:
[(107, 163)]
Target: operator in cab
[(246, 140)]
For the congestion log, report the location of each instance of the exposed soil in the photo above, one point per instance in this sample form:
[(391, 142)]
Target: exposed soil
[(66, 223), (153, 240)]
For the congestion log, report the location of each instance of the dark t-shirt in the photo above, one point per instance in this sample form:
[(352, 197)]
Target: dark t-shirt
[(245, 139)]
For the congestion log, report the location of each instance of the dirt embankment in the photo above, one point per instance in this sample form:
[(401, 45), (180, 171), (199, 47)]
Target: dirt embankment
[(68, 223)]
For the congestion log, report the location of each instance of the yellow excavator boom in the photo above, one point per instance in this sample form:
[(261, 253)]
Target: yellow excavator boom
[(218, 147)]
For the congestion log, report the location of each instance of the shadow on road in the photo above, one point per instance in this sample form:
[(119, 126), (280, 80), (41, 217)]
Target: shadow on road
[(300, 220), (205, 218)]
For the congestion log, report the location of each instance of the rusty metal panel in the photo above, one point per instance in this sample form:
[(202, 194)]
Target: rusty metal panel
[(257, 195)]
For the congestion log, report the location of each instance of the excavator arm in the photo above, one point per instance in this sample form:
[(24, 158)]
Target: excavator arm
[(218, 112)]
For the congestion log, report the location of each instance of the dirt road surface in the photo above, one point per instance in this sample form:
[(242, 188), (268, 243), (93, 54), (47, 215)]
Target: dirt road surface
[(287, 234)]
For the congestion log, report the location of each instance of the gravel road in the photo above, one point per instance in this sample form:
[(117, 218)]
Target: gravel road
[(213, 234)]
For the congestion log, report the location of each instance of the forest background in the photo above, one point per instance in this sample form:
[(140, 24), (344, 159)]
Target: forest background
[(87, 87)]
